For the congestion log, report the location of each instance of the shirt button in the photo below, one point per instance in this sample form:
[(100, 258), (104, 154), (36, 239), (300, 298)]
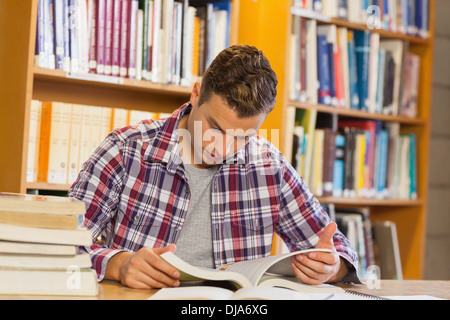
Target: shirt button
[(136, 218), (186, 191)]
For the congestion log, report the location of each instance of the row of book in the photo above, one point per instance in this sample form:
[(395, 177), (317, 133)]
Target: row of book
[(39, 239), (354, 158), (375, 242), (163, 41), (352, 69), (62, 136), (406, 16)]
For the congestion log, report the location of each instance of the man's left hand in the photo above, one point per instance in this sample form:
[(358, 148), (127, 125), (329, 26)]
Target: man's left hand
[(320, 267)]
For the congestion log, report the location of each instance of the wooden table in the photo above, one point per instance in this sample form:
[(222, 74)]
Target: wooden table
[(109, 290)]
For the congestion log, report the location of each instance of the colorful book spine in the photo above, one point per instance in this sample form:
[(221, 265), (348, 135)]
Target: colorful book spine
[(92, 16), (362, 49), (132, 22), (59, 34), (115, 68), (108, 36), (123, 59), (100, 43), (323, 70)]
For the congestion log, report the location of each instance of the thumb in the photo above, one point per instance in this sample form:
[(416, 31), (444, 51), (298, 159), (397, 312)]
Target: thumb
[(171, 247), (326, 239)]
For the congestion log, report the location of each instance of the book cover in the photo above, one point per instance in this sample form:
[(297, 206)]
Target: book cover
[(362, 49)]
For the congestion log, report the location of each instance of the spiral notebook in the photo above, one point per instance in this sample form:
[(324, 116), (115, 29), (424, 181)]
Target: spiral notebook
[(347, 295)]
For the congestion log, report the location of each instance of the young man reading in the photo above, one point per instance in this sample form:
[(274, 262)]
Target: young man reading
[(203, 184)]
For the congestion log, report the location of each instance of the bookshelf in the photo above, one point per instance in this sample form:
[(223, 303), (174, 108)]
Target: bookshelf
[(21, 81), (273, 39)]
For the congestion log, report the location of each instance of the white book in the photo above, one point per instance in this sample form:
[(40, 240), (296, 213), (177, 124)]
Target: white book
[(73, 282), (79, 237), (44, 262), (139, 43), (75, 141), (33, 140)]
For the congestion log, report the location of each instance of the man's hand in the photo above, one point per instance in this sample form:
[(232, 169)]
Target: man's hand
[(320, 267), (144, 269)]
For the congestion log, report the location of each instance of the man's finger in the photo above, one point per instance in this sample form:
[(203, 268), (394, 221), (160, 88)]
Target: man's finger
[(327, 236)]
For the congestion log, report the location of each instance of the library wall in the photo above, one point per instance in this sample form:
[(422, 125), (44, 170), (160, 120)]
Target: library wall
[(437, 259)]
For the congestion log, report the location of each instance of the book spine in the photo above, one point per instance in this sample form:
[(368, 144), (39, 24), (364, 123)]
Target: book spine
[(338, 170), (74, 37), (144, 6), (329, 156), (303, 93), (323, 70), (156, 40), (332, 76), (40, 53), (115, 62), (59, 34), (139, 41), (132, 23), (92, 16), (123, 59), (108, 36), (362, 49), (100, 43), (66, 36), (413, 167)]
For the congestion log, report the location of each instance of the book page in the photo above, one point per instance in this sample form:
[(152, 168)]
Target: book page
[(279, 264)]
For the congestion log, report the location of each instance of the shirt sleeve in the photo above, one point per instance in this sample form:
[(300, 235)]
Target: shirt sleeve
[(98, 185), (303, 219)]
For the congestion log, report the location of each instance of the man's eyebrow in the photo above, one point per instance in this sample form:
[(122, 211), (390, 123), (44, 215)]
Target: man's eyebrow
[(215, 124)]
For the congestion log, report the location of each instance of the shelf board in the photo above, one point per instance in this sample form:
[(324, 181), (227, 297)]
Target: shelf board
[(92, 89), (371, 202), (357, 113)]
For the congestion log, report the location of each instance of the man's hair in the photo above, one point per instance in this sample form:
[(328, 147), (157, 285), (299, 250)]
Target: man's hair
[(243, 77)]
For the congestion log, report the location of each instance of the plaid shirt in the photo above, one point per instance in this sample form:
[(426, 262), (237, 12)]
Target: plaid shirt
[(136, 192)]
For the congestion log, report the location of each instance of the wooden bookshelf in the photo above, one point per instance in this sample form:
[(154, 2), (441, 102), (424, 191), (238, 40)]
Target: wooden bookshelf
[(21, 81), (273, 39)]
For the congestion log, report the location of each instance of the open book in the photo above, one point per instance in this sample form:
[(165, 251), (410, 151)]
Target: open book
[(272, 271)]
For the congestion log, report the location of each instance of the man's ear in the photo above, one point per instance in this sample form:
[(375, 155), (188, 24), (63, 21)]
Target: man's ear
[(195, 94)]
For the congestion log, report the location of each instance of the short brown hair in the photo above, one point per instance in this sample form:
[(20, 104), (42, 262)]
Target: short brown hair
[(241, 75)]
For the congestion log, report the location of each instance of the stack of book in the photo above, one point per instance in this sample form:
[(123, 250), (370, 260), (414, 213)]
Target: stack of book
[(39, 239)]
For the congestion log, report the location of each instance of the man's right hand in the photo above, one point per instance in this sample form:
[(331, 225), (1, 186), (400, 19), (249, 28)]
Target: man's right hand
[(144, 269)]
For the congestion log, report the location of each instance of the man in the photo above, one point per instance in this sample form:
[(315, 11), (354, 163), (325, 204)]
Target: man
[(202, 184)]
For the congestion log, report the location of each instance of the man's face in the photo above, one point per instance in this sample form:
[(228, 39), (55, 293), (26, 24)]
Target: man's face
[(216, 131)]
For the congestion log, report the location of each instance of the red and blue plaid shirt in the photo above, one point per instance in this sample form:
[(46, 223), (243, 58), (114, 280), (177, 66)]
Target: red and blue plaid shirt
[(136, 192)]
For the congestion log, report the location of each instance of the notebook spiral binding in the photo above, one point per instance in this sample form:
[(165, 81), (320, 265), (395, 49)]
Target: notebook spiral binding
[(366, 295)]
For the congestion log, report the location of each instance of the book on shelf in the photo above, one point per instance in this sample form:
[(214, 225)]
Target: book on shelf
[(154, 40), (353, 159), (352, 69), (62, 136), (39, 239), (272, 271), (387, 252), (409, 17)]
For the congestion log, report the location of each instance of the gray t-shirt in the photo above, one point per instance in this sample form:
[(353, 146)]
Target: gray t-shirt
[(194, 244)]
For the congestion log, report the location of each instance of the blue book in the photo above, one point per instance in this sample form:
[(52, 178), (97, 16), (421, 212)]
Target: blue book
[(317, 5), (383, 157), (338, 167), (362, 49), (334, 101), (40, 59), (323, 70), (353, 75)]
